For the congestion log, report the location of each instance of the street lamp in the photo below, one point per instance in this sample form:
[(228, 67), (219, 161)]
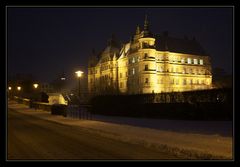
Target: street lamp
[(79, 74), (35, 86), (19, 88), (9, 88)]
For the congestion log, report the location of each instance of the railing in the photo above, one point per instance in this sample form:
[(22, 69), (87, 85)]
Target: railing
[(79, 112)]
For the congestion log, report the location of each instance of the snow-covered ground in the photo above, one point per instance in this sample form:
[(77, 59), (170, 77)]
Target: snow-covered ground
[(192, 139), (223, 128)]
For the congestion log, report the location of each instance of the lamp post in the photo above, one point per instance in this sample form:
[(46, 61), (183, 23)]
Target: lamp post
[(35, 85), (19, 89), (79, 74)]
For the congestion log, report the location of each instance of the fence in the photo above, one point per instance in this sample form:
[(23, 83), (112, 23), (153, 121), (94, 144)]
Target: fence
[(79, 112)]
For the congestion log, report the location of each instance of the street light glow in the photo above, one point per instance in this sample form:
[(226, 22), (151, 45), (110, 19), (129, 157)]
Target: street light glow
[(9, 88), (35, 86), (79, 73), (19, 88)]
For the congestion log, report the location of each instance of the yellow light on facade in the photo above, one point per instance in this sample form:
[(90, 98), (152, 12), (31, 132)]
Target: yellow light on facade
[(79, 73), (9, 88), (19, 88), (35, 86)]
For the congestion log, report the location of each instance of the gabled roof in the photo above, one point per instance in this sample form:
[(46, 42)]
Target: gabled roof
[(179, 45)]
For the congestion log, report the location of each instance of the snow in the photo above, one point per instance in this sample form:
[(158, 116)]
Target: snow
[(192, 139)]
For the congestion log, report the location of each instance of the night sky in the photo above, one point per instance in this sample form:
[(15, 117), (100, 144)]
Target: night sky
[(46, 41)]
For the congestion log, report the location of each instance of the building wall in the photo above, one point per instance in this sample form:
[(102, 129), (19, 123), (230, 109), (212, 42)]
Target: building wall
[(140, 68)]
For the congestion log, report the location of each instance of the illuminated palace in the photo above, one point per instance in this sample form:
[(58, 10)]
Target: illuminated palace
[(149, 64)]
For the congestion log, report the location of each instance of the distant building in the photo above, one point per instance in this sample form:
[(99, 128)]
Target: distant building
[(149, 64)]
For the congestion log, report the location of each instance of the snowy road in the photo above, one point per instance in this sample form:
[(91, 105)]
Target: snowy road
[(33, 138)]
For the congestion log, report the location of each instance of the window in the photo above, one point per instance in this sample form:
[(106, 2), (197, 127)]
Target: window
[(133, 60), (195, 61), (177, 82), (121, 84), (189, 60), (201, 61), (120, 75), (184, 71), (197, 82), (133, 71), (146, 67), (146, 80), (190, 71), (161, 69), (182, 61), (145, 55), (184, 82), (172, 81), (190, 81), (160, 58)]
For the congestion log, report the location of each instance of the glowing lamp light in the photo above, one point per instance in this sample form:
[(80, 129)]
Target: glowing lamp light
[(9, 88), (35, 86), (19, 88), (79, 73), (63, 78)]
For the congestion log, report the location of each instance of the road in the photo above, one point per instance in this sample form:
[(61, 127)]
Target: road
[(33, 138)]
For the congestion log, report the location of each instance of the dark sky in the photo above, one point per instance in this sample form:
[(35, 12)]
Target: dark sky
[(46, 41)]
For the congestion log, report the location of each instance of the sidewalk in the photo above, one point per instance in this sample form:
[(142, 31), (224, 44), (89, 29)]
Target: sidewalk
[(191, 145)]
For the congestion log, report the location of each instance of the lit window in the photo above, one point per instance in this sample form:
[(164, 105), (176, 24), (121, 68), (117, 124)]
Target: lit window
[(133, 71), (120, 75), (201, 61), (161, 69), (176, 81), (133, 60), (146, 80), (182, 61), (189, 60), (195, 61)]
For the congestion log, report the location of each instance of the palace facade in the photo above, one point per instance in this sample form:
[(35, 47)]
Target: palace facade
[(149, 63)]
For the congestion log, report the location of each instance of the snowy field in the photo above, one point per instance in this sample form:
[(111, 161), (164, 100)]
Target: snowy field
[(192, 139)]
